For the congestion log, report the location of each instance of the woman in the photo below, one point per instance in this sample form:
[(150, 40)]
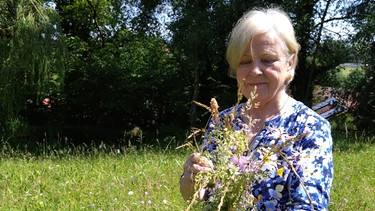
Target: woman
[(262, 53)]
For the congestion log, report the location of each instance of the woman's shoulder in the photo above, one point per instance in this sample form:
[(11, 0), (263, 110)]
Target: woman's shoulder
[(306, 113), (302, 119), (298, 118)]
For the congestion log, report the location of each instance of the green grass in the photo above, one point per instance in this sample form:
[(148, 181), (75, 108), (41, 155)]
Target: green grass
[(354, 180), (130, 180), (147, 178)]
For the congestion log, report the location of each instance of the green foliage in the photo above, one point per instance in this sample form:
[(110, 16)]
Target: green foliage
[(32, 62), (129, 80), (365, 54), (107, 60), (332, 53), (342, 77), (343, 124), (16, 126)]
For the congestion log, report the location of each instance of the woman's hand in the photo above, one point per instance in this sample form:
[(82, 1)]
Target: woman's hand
[(193, 165)]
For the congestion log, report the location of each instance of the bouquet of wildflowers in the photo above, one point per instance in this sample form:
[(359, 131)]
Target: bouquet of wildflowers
[(228, 186)]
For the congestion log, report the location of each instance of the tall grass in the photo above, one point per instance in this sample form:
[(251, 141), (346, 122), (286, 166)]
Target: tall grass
[(354, 180), (92, 179), (146, 178)]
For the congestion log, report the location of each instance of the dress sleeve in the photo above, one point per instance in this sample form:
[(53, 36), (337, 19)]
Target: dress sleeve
[(208, 143), (313, 163)]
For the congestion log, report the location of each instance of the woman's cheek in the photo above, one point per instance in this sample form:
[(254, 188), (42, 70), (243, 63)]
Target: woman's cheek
[(241, 74)]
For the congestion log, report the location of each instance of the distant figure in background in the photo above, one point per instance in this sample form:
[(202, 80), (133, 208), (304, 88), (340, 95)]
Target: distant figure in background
[(47, 102)]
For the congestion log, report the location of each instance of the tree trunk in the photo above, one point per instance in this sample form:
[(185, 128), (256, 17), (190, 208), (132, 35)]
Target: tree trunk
[(193, 108), (301, 85)]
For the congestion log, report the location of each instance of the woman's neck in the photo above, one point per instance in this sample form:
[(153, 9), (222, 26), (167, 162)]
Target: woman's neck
[(272, 109)]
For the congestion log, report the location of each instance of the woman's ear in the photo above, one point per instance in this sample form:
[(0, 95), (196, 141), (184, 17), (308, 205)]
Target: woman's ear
[(290, 62)]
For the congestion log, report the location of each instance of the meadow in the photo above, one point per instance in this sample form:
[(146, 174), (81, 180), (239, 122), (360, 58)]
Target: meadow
[(146, 178)]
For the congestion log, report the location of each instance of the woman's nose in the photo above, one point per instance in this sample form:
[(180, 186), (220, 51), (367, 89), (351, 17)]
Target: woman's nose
[(255, 68)]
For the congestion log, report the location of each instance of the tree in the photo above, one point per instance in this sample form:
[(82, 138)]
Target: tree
[(364, 39), (121, 79), (32, 58), (319, 52)]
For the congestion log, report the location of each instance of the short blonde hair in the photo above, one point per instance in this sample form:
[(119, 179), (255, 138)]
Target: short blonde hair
[(259, 21)]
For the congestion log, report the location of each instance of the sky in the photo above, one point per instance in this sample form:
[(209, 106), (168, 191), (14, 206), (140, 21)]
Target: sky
[(336, 29), (340, 29)]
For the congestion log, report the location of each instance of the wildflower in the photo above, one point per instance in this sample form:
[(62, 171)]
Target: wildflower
[(165, 201), (149, 202), (130, 193), (241, 163), (227, 146)]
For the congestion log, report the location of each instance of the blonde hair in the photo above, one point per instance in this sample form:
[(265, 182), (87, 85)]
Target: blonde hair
[(259, 21)]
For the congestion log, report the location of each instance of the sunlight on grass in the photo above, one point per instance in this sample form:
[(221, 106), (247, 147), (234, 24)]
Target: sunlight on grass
[(137, 180), (147, 179), (354, 181)]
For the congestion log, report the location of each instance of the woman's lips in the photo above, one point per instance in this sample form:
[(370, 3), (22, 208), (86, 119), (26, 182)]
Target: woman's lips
[(256, 84)]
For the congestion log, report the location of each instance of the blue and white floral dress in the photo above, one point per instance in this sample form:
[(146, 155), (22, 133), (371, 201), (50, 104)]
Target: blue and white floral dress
[(310, 156)]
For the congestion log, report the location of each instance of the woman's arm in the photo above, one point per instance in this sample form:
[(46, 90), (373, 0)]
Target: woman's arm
[(314, 166)]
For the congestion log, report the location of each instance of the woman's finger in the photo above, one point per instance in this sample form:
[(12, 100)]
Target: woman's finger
[(195, 158)]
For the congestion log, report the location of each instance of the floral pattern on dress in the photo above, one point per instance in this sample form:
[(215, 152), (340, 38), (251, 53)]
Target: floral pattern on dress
[(310, 156)]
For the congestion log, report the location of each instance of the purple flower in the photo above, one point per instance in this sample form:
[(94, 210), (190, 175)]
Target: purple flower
[(253, 168), (241, 162)]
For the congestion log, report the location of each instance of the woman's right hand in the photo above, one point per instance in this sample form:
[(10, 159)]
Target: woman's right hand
[(193, 165)]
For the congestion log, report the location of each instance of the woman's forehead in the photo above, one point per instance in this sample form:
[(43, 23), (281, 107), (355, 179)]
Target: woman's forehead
[(266, 43), (268, 39)]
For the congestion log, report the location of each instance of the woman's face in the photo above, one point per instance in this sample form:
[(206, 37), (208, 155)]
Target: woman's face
[(264, 64)]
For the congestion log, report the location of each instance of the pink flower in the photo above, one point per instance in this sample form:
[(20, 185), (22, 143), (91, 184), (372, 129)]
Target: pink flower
[(241, 162)]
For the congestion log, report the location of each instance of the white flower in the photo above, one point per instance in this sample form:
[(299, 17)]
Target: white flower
[(130, 193)]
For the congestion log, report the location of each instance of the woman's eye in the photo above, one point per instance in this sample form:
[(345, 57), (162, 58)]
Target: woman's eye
[(246, 62), (268, 60)]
